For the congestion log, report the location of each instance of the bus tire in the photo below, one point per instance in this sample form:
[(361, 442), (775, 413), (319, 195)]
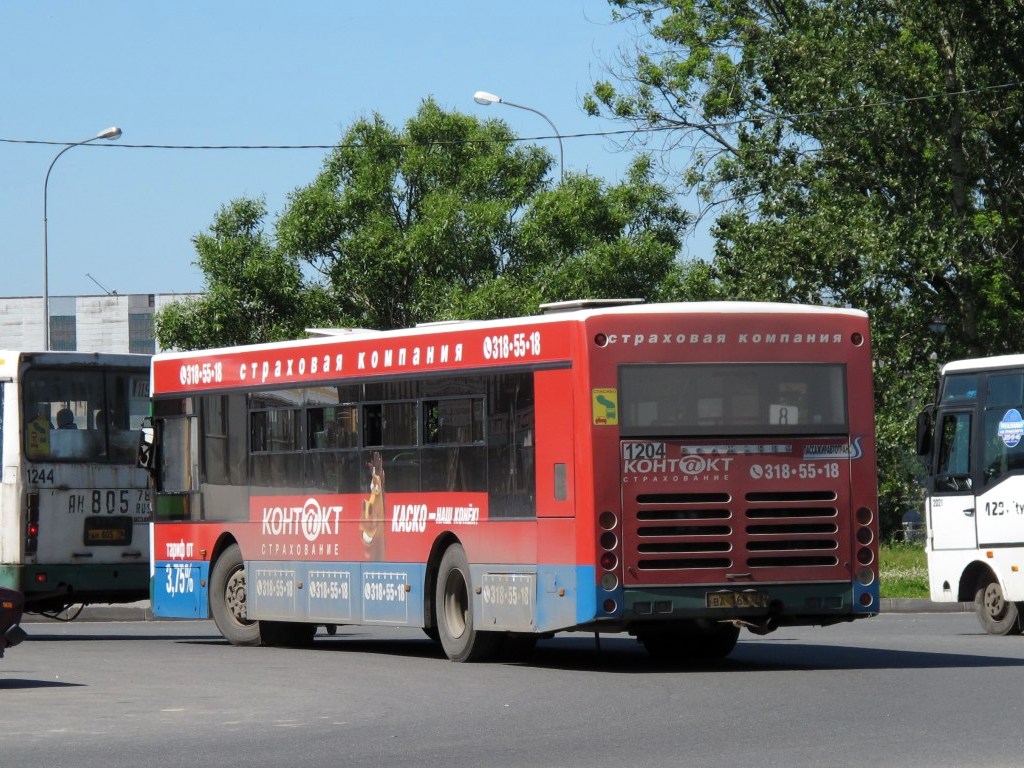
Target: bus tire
[(996, 614), (228, 599), (454, 605)]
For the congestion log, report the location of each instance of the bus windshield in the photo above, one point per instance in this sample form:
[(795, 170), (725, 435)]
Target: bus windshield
[(733, 399), (83, 414)]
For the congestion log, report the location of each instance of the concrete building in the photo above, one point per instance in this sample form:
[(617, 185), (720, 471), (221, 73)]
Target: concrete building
[(103, 323)]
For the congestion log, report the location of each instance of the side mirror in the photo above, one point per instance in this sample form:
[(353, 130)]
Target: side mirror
[(145, 457), (924, 432)]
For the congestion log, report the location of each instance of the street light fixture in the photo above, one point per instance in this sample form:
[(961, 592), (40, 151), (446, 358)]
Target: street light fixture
[(485, 98), (113, 133)]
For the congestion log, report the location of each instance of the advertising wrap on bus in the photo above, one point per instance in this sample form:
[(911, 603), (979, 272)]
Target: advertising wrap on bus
[(674, 471)]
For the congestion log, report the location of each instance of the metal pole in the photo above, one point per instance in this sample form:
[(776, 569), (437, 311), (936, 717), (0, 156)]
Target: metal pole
[(110, 133), (561, 153), (485, 98)]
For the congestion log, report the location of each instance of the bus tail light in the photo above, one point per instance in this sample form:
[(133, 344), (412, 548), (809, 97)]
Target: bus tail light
[(608, 560), (866, 576), (32, 525)]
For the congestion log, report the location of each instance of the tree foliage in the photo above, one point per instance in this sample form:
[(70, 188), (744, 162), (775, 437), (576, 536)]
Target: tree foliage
[(861, 153), (452, 217), (448, 217), (253, 292), (398, 221)]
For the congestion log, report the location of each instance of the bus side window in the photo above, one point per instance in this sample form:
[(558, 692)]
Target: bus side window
[(953, 472), (1004, 452)]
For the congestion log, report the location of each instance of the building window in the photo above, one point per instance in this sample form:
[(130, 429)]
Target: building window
[(140, 333), (63, 334)]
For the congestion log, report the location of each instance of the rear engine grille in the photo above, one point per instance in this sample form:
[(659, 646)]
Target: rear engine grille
[(701, 531)]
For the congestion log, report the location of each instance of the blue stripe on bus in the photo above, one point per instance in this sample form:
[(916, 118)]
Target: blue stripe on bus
[(180, 589), (872, 590), (523, 598)]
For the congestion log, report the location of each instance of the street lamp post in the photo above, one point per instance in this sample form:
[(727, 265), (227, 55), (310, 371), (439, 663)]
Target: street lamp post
[(111, 133), (483, 97)]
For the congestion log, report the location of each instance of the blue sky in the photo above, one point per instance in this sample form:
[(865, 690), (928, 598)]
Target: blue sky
[(253, 73)]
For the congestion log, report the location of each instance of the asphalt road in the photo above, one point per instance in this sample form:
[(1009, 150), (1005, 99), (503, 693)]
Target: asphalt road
[(900, 689)]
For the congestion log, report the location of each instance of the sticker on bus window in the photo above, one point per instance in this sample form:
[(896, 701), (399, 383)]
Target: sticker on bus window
[(605, 406), (1011, 428), (783, 414)]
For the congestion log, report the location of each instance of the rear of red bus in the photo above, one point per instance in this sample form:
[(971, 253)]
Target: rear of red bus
[(746, 492)]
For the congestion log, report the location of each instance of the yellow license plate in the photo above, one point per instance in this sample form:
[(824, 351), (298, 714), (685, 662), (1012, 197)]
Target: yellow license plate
[(106, 535), (108, 531), (737, 599)]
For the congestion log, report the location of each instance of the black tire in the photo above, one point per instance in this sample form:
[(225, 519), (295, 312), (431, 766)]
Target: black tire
[(228, 599), (700, 640), (996, 614), (454, 604)]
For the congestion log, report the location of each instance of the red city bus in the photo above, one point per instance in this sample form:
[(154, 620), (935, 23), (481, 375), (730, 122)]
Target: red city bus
[(674, 471)]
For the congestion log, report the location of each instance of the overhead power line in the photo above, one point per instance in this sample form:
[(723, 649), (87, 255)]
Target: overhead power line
[(668, 126)]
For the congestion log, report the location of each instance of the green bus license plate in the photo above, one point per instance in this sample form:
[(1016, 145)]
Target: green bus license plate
[(737, 599), (108, 531)]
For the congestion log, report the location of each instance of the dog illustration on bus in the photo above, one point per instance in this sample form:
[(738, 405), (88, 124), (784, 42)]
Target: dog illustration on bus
[(372, 521)]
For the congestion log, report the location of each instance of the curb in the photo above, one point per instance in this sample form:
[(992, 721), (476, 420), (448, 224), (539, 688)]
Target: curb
[(913, 605), (139, 611)]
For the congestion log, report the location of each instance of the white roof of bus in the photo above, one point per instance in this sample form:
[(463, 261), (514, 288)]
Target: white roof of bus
[(692, 308), (10, 358), (983, 363)]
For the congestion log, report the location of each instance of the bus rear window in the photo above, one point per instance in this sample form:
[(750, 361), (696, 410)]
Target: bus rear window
[(732, 399), (84, 414)]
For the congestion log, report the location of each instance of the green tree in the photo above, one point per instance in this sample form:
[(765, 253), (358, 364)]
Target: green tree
[(448, 218), (588, 239), (253, 292), (861, 152), (453, 218), (398, 223)]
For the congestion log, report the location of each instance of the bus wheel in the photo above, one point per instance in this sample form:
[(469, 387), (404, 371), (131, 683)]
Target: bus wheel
[(700, 640), (228, 599), (460, 640), (996, 614)]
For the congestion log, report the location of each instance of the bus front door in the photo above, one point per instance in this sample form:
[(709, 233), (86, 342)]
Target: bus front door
[(952, 512)]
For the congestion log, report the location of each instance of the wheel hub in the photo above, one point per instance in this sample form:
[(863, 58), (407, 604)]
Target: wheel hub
[(994, 602), (235, 596)]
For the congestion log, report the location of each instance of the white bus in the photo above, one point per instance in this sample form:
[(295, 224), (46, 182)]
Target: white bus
[(74, 507), (973, 437)]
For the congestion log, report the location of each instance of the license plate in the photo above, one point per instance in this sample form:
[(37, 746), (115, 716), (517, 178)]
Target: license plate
[(108, 531), (737, 599)]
